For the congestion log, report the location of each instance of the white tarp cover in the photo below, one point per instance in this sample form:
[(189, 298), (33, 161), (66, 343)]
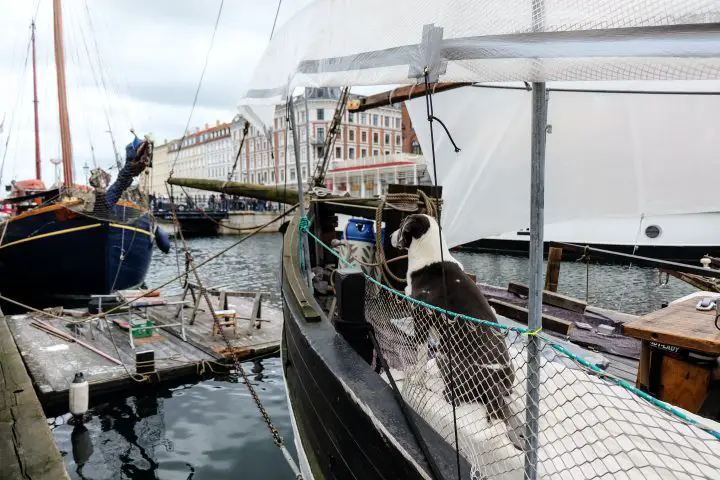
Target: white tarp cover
[(381, 42), (609, 154)]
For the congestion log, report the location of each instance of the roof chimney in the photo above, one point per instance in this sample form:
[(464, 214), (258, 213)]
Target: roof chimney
[(197, 129), (217, 122), (206, 126)]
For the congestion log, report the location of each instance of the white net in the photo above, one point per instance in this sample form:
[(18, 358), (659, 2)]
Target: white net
[(589, 426), (487, 41)]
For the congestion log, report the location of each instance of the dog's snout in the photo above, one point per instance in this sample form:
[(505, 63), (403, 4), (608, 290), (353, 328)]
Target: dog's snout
[(394, 239)]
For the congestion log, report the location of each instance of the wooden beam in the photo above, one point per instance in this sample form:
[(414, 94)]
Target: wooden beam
[(551, 298), (552, 272), (399, 95), (520, 314), (641, 261)]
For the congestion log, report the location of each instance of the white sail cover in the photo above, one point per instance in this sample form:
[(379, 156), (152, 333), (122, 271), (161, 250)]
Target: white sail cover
[(381, 42), (608, 154)]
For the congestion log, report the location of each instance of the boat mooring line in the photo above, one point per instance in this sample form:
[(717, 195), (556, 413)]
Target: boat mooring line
[(530, 332)]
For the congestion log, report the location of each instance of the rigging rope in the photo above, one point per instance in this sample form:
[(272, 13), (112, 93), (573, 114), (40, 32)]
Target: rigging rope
[(197, 90)]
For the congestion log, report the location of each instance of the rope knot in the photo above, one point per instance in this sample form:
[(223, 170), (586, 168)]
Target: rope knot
[(533, 333), (304, 225)]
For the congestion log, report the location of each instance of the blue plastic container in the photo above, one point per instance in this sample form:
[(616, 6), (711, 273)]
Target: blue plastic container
[(360, 230)]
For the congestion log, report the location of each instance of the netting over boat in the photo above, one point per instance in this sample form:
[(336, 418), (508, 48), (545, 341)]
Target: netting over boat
[(589, 425), (487, 41)]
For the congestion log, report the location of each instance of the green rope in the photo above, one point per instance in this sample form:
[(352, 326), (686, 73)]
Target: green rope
[(304, 226)]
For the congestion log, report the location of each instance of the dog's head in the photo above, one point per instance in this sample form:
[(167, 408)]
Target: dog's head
[(412, 228)]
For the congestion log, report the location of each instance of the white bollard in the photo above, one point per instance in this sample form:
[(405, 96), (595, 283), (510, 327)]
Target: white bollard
[(79, 395)]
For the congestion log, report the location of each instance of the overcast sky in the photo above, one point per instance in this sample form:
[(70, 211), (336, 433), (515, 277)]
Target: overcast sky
[(152, 54)]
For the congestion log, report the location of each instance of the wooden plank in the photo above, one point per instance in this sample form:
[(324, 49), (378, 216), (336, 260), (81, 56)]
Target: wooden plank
[(679, 325), (291, 267), (520, 314), (27, 448), (552, 272), (683, 384), (551, 298)]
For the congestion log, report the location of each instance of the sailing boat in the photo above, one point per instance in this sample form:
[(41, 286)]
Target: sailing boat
[(352, 419), (63, 244)]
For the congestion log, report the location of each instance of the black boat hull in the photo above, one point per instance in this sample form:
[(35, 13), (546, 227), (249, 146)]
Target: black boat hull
[(348, 420), (57, 257), (683, 254)]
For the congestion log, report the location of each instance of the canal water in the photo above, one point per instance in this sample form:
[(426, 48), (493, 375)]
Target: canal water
[(212, 430)]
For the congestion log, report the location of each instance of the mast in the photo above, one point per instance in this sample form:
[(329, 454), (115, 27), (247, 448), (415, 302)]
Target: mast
[(65, 143), (35, 104)]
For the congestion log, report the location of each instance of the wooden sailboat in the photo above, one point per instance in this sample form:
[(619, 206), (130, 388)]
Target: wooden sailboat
[(61, 245)]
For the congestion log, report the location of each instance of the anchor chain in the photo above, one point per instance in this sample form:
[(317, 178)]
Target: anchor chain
[(277, 438)]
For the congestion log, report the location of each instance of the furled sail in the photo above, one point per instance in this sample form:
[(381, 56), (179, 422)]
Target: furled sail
[(613, 149)]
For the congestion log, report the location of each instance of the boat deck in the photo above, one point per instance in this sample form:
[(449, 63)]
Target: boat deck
[(52, 360), (27, 448)]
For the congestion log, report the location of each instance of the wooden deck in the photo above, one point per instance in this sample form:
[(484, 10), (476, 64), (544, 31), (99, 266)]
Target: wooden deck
[(571, 319), (27, 448), (53, 361)]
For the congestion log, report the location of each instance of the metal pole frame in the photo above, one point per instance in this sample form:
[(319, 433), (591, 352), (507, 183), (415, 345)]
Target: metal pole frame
[(301, 191), (537, 211)]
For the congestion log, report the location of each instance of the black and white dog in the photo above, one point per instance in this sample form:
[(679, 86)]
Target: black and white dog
[(481, 363)]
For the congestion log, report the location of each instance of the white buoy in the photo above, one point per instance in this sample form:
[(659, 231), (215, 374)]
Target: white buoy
[(79, 395)]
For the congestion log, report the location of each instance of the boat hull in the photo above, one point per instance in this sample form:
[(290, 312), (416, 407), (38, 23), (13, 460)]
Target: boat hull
[(58, 257), (346, 419)]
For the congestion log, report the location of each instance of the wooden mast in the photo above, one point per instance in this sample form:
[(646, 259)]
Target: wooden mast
[(35, 103), (65, 143)]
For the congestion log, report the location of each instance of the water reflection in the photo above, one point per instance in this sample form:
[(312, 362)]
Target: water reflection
[(205, 430)]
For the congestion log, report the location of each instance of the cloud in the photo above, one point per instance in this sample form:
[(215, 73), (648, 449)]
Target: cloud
[(151, 58)]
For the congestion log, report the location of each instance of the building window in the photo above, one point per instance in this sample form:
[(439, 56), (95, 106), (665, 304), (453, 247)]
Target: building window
[(351, 117), (363, 152), (321, 114), (351, 135), (376, 137), (292, 174), (304, 173), (338, 152), (376, 120), (351, 153), (363, 118), (363, 137), (272, 176), (321, 134), (387, 122), (387, 138), (282, 175), (415, 147), (387, 152), (375, 153), (397, 139), (320, 153)]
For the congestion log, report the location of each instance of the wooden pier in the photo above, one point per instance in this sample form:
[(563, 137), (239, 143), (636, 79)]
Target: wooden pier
[(27, 448), (112, 360)]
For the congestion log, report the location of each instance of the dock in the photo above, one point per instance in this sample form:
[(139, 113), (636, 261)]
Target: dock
[(55, 347), (596, 329), (27, 448)]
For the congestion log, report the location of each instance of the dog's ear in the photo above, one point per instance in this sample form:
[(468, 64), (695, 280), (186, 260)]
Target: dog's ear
[(413, 227)]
